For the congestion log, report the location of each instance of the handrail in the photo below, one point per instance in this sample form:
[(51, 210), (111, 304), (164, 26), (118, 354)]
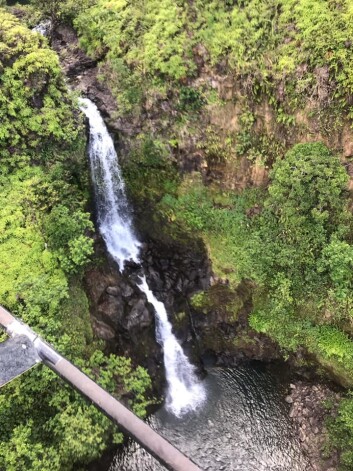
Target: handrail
[(128, 422)]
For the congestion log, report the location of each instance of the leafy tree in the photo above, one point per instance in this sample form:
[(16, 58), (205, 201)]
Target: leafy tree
[(36, 110), (303, 230), (67, 239), (308, 184), (306, 205), (45, 244)]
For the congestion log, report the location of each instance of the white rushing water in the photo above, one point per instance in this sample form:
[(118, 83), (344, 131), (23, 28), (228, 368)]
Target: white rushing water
[(185, 392), (43, 28), (113, 214)]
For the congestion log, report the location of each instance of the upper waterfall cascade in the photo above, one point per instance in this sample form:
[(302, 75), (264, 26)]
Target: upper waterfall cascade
[(185, 392), (113, 213)]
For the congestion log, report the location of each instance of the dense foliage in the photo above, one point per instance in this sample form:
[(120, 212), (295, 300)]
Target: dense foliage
[(57, 11), (292, 58), (341, 431), (296, 246), (41, 256), (45, 243), (35, 107), (293, 50)]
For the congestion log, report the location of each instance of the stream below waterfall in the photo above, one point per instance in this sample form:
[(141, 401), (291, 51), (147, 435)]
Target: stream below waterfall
[(244, 426)]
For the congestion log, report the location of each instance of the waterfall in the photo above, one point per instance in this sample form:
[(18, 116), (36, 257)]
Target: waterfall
[(185, 392), (114, 219), (43, 28)]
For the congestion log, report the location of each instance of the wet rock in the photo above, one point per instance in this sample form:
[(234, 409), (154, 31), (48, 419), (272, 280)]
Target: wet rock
[(139, 316), (113, 290), (73, 60), (155, 279), (103, 331), (111, 310), (131, 264), (126, 291), (308, 414), (121, 315)]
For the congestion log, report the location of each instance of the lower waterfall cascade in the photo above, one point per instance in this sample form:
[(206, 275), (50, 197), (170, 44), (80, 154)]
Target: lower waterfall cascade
[(185, 392)]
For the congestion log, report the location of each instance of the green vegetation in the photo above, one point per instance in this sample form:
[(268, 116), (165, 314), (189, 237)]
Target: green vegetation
[(295, 246), (149, 173), (282, 71), (294, 242), (58, 11), (35, 107), (41, 258), (302, 47), (130, 37), (45, 244), (341, 431)]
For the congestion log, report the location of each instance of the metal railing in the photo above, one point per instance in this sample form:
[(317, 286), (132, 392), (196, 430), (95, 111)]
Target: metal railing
[(155, 444)]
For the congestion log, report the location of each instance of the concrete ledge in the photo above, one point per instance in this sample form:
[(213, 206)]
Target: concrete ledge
[(17, 355)]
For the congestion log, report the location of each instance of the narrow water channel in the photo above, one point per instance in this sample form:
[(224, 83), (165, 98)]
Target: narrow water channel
[(244, 426)]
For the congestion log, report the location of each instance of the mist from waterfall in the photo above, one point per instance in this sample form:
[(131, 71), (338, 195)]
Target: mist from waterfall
[(185, 392)]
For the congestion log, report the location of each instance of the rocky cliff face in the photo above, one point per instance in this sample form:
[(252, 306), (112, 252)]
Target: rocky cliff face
[(220, 318), (121, 315), (307, 409), (176, 270), (229, 141), (231, 144)]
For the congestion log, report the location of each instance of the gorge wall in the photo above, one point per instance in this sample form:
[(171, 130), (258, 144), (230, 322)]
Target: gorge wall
[(212, 130), (231, 144)]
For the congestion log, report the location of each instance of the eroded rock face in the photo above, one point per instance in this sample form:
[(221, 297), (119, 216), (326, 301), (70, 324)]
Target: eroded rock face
[(175, 271), (308, 413), (220, 121), (220, 319), (121, 315)]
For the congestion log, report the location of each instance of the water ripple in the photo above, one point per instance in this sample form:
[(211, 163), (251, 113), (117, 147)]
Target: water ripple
[(244, 426)]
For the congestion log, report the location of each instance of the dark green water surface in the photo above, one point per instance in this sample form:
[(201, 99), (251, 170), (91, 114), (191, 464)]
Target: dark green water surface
[(244, 426)]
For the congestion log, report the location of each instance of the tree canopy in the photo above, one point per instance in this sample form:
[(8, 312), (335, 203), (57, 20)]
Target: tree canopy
[(45, 244), (36, 109)]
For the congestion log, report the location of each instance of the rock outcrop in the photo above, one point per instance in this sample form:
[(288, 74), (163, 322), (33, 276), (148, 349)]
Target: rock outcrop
[(308, 411), (121, 315)]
